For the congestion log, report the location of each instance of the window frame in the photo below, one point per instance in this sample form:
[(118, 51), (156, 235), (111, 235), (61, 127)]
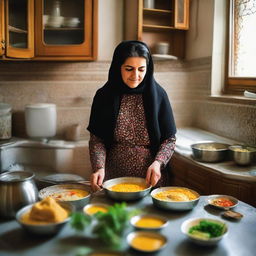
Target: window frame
[(235, 85)]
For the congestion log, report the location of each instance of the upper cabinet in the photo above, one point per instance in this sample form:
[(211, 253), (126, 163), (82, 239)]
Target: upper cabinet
[(49, 29), (17, 28), (159, 23)]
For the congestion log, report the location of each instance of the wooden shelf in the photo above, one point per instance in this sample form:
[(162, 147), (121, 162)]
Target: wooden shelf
[(17, 30), (63, 29), (146, 26), (157, 11)]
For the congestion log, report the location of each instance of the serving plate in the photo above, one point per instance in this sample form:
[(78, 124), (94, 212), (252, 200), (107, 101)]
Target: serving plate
[(212, 200)]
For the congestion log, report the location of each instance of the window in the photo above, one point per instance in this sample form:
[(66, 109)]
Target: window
[(241, 71)]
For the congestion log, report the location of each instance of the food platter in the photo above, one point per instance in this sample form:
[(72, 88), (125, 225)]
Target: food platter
[(223, 202)]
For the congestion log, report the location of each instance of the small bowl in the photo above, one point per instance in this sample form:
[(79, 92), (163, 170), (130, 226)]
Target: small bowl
[(174, 205), (88, 206), (187, 224), (210, 151), (146, 235), (137, 218), (78, 204), (126, 196), (43, 229), (242, 155), (210, 200)]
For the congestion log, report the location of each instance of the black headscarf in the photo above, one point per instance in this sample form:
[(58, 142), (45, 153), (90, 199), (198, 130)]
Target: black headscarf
[(106, 102)]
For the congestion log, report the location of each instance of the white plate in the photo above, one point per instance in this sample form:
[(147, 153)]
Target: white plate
[(164, 57)]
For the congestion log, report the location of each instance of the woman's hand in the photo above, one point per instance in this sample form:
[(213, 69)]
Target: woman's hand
[(97, 179), (153, 173)]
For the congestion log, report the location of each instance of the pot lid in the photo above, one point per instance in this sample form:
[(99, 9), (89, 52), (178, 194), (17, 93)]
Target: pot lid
[(15, 176)]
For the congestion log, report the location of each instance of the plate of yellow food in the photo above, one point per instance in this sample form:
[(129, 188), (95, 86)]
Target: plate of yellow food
[(146, 241), (150, 222), (45, 217), (175, 198), (91, 209), (126, 188), (76, 194)]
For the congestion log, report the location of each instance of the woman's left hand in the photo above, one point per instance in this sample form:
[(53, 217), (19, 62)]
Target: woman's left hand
[(153, 173)]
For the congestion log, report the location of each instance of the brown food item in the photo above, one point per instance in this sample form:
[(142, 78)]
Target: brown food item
[(233, 215)]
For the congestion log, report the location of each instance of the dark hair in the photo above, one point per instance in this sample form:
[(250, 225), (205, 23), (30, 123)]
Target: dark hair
[(135, 49)]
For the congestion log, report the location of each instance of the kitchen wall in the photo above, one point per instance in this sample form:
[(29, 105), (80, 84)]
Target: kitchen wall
[(71, 85)]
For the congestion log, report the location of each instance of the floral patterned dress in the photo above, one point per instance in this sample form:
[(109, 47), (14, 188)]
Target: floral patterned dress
[(130, 153)]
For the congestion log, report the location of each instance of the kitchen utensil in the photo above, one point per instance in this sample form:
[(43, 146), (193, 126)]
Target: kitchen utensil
[(174, 205), (17, 189), (126, 196), (78, 204), (210, 151), (41, 120), (242, 155)]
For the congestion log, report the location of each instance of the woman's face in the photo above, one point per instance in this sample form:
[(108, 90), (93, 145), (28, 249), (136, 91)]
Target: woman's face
[(133, 71)]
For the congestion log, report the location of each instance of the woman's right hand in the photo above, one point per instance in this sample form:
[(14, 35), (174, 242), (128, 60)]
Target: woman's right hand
[(97, 179)]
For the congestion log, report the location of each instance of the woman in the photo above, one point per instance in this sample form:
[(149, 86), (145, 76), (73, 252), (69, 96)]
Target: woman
[(132, 129)]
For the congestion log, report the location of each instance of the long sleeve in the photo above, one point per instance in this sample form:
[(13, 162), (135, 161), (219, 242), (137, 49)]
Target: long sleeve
[(165, 151), (97, 152)]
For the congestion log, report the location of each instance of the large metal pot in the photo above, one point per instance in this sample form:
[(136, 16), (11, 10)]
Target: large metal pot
[(17, 189), (210, 151)]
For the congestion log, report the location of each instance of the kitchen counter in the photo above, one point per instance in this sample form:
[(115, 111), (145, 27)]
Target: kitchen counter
[(14, 241), (188, 136)]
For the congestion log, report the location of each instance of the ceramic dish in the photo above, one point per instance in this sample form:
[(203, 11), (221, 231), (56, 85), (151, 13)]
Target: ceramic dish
[(91, 209), (149, 222), (126, 196), (43, 229), (174, 205), (202, 239), (56, 190), (222, 201), (144, 241)]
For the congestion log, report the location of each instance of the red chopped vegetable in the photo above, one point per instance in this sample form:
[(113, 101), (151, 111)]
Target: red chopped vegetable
[(222, 201)]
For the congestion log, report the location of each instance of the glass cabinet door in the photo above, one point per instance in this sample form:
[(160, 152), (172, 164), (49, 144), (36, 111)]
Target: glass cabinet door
[(181, 14), (64, 28), (19, 20)]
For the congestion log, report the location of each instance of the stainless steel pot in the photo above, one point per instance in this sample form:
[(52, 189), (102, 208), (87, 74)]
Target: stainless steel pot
[(17, 189)]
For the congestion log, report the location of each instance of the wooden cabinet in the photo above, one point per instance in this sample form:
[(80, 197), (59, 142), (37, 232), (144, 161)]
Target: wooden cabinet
[(185, 172), (17, 28), (49, 29), (166, 22)]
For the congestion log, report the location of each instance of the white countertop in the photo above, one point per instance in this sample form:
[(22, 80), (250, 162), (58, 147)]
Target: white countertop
[(187, 136)]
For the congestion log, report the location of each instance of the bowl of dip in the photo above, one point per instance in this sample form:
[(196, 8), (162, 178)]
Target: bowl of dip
[(150, 222), (91, 209), (146, 241)]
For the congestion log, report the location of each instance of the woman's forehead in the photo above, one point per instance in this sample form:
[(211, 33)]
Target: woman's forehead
[(135, 61)]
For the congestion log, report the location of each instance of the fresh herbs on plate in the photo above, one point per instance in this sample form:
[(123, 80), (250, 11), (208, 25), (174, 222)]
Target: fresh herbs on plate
[(207, 229)]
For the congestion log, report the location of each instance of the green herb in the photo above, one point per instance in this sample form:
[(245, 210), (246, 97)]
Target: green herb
[(79, 221), (205, 227), (110, 226)]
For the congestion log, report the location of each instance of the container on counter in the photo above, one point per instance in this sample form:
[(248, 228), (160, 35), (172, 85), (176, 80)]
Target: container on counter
[(5, 121)]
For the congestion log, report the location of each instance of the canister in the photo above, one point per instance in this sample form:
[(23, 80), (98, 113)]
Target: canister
[(5, 121)]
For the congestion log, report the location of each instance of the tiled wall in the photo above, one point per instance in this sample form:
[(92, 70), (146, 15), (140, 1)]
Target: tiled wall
[(72, 86)]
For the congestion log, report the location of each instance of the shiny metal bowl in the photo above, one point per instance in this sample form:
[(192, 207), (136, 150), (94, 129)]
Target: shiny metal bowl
[(242, 155), (145, 234), (174, 205), (126, 196), (187, 224), (43, 229), (210, 151), (78, 204), (136, 218)]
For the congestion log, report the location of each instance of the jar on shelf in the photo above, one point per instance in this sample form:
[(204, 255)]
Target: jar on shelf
[(5, 121)]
